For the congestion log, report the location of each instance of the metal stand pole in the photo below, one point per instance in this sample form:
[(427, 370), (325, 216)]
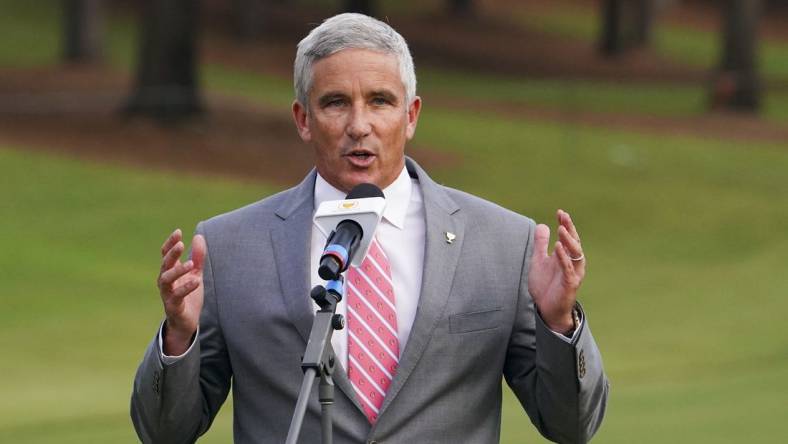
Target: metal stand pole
[(300, 409), (326, 391), (319, 361)]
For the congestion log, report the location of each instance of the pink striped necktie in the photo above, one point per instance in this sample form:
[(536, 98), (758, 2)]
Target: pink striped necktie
[(373, 344)]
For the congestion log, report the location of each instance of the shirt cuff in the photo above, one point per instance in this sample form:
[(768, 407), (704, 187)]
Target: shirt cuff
[(571, 340), (567, 339), (169, 360)]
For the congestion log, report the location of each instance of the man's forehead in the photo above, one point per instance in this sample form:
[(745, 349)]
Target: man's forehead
[(375, 69)]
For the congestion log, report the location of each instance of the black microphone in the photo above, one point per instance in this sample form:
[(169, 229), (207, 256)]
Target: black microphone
[(343, 242)]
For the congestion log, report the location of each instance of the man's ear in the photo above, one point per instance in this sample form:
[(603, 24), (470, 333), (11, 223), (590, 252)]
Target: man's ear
[(413, 117), (302, 121)]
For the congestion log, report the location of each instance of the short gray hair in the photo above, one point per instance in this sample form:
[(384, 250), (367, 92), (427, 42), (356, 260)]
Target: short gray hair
[(350, 31)]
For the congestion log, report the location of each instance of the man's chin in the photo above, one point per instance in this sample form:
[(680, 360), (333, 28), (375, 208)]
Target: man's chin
[(358, 180), (355, 178)]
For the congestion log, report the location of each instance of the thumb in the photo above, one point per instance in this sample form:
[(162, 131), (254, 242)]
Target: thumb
[(541, 239), (199, 248)]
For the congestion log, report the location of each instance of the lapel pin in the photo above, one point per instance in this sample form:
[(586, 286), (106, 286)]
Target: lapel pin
[(450, 237)]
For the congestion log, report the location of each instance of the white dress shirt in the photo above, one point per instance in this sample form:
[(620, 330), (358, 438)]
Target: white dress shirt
[(401, 233)]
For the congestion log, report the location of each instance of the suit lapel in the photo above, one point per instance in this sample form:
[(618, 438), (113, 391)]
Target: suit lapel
[(292, 243), (440, 263)]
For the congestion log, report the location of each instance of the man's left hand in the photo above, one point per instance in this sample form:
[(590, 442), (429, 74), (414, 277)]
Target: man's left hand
[(554, 279)]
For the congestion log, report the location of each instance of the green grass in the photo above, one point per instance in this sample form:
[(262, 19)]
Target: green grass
[(775, 106), (78, 294), (29, 33)]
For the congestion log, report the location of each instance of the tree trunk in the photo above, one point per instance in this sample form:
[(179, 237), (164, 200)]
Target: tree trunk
[(166, 84), (248, 16), (83, 26), (361, 6), (644, 12), (462, 8), (626, 24), (736, 85)]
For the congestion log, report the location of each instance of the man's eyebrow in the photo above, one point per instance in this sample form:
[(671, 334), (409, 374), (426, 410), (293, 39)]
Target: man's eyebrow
[(385, 93)]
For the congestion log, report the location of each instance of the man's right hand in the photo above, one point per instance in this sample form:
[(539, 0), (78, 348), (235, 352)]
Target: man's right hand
[(181, 289)]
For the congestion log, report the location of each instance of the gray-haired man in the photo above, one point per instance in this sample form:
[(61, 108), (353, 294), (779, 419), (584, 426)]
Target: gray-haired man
[(471, 292)]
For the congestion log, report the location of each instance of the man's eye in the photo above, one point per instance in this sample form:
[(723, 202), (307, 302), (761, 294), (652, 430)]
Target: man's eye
[(380, 101), (334, 103)]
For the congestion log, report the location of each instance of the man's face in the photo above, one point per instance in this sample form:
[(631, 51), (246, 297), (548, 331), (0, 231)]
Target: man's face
[(357, 119)]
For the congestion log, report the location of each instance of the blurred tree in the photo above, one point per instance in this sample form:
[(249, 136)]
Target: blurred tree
[(248, 17), (83, 26), (736, 85), (367, 7), (626, 24), (776, 5), (166, 82), (464, 8)]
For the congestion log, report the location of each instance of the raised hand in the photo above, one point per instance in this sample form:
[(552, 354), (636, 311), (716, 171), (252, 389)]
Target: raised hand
[(554, 279), (181, 290)]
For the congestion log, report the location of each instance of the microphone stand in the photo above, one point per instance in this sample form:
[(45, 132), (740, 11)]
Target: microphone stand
[(319, 361)]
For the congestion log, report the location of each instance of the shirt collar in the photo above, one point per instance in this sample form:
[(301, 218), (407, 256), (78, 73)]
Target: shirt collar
[(397, 197)]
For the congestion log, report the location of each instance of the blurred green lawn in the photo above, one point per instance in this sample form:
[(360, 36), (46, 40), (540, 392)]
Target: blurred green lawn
[(686, 240)]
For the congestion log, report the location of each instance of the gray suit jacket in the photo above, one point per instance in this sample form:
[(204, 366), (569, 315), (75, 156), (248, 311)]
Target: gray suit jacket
[(475, 323)]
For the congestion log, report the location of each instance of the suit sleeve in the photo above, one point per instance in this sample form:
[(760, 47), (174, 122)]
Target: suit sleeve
[(561, 385), (176, 403)]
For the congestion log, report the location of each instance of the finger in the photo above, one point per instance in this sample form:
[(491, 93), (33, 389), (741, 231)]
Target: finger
[(565, 261), (171, 240), (183, 290), (570, 243), (172, 256), (168, 277), (541, 238), (199, 248), (579, 265), (565, 220)]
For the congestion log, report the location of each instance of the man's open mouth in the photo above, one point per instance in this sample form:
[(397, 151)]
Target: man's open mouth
[(362, 155)]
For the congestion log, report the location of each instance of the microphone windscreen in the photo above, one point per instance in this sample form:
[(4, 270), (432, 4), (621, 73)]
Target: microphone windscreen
[(365, 190)]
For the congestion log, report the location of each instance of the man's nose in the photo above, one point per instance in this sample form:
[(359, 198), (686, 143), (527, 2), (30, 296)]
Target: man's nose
[(359, 125)]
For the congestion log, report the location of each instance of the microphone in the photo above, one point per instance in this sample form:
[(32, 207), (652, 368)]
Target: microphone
[(351, 223)]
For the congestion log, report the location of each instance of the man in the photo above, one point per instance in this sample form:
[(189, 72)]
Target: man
[(455, 291)]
